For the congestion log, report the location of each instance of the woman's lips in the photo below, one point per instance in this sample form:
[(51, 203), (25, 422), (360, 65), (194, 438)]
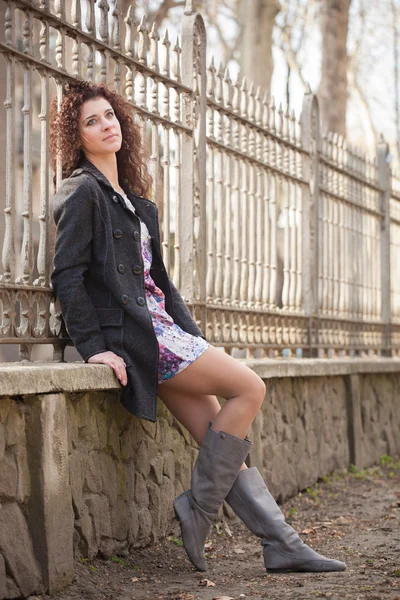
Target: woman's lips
[(110, 137)]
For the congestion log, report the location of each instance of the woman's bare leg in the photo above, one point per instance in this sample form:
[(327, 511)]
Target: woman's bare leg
[(214, 373), (194, 412)]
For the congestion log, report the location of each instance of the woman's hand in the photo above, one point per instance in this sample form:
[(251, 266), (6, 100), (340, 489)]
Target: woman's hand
[(114, 361)]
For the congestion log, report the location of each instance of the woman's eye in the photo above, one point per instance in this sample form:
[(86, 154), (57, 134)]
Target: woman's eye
[(90, 121), (110, 114)]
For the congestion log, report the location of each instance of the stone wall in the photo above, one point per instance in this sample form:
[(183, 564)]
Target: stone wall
[(124, 474), (19, 568), (79, 476), (302, 432)]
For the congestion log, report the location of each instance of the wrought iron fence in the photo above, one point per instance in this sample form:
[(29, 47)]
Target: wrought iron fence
[(280, 239)]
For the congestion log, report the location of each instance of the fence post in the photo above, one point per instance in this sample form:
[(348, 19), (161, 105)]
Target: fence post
[(384, 181), (310, 141), (193, 208)]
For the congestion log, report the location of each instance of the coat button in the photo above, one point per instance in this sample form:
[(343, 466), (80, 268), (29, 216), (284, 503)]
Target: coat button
[(141, 301), (115, 199), (222, 436), (124, 299), (117, 233), (121, 268), (136, 236), (137, 269)]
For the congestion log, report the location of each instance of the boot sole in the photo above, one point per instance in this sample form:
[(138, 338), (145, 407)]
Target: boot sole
[(304, 570)]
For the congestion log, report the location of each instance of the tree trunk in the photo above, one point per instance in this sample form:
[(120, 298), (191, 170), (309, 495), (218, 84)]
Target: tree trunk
[(257, 19), (332, 94)]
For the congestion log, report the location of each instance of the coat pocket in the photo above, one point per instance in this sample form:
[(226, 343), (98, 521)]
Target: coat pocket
[(111, 321), (109, 317)]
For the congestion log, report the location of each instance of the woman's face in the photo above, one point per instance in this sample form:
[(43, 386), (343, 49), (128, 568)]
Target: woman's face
[(99, 128)]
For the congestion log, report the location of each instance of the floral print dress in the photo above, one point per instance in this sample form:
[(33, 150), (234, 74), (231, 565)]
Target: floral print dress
[(177, 348)]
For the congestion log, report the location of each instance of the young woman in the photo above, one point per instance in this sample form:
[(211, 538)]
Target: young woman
[(121, 309)]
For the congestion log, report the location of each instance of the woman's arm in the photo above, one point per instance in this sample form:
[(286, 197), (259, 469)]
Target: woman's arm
[(73, 214)]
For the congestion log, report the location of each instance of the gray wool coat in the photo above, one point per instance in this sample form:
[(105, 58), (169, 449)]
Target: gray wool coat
[(99, 280)]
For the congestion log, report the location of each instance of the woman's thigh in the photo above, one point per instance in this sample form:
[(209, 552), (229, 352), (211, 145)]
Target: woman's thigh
[(215, 373)]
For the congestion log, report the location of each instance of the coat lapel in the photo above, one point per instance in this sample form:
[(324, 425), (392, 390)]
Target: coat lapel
[(144, 208)]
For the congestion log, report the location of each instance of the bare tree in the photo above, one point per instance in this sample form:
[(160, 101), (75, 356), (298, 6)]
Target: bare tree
[(333, 89), (395, 23), (257, 20)]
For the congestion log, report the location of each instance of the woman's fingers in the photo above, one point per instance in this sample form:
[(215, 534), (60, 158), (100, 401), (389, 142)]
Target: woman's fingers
[(114, 361), (119, 369)]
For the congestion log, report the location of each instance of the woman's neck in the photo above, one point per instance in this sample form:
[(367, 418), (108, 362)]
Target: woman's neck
[(108, 166)]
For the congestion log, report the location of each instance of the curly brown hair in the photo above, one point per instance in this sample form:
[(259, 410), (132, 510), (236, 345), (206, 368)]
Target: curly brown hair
[(64, 134)]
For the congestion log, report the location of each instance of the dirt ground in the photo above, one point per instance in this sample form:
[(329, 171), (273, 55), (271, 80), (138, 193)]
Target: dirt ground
[(352, 516)]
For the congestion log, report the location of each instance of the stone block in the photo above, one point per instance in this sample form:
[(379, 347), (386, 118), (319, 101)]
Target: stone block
[(93, 480), (9, 477), (156, 469), (141, 493), (155, 508), (2, 441), (142, 462), (98, 508), (114, 441), (133, 523), (153, 449), (24, 476), (111, 547), (130, 475), (5, 405), (164, 436), (167, 495), (89, 434), (15, 426), (72, 427), (183, 468), (87, 541), (149, 427), (109, 477), (122, 479), (145, 525), (76, 478), (130, 439), (102, 427), (115, 411), (55, 492), (119, 520), (83, 411), (13, 590), (16, 546), (3, 580), (169, 465)]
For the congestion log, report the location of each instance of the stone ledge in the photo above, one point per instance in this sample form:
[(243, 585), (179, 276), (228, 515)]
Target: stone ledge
[(321, 367), (40, 378)]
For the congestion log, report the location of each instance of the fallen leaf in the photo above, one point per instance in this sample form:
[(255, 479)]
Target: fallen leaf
[(134, 579), (223, 598), (229, 532), (308, 531), (207, 583), (208, 545), (238, 551)]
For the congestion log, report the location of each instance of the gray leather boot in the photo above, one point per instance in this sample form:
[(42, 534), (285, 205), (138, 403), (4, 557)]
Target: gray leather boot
[(220, 457), (283, 548)]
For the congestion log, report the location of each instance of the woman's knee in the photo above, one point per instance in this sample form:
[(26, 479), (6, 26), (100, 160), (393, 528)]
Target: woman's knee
[(256, 390), (259, 389)]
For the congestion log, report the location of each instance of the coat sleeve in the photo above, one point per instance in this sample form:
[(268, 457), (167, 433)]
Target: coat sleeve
[(73, 214), (181, 312)]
